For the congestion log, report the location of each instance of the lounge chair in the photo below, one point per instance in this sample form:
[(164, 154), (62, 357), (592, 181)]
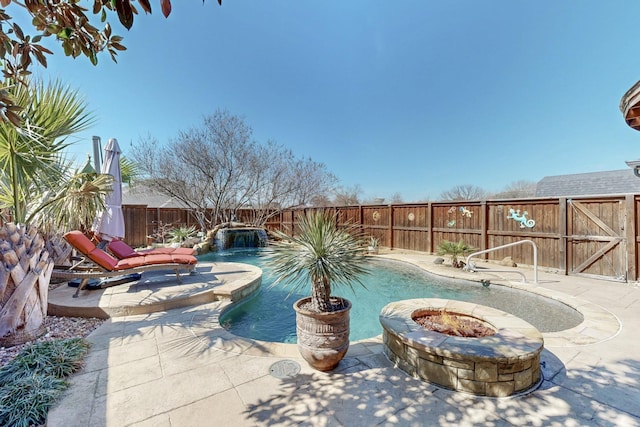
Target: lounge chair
[(121, 250), (105, 265)]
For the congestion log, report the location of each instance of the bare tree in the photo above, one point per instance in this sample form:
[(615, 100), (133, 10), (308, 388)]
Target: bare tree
[(397, 198), (347, 196), (280, 180), (217, 169), (463, 192), (517, 189), (320, 201)]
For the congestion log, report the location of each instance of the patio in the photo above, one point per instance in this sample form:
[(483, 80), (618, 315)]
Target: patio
[(179, 367)]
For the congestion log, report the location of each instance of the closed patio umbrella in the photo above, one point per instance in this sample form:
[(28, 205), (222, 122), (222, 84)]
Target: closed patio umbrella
[(110, 223)]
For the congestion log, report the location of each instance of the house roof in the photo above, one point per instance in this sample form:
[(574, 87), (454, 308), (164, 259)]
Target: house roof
[(141, 194), (630, 106), (621, 181)]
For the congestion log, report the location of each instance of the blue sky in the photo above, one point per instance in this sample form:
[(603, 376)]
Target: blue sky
[(410, 97)]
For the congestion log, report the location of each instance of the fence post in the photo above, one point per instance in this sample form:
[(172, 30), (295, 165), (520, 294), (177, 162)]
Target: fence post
[(430, 227), (563, 227), (391, 210), (630, 237), (484, 218)]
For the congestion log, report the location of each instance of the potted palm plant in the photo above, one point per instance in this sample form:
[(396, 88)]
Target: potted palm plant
[(320, 255), (455, 250)]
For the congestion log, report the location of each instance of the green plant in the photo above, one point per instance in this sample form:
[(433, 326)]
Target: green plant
[(454, 250), (58, 358), (320, 255), (374, 242), (36, 184), (26, 401), (33, 380), (162, 231), (182, 233)]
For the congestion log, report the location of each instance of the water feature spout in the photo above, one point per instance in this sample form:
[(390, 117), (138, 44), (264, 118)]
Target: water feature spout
[(245, 237)]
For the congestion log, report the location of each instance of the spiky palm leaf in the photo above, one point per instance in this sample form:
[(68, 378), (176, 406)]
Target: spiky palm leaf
[(31, 156), (129, 170), (454, 250), (320, 255), (75, 205)]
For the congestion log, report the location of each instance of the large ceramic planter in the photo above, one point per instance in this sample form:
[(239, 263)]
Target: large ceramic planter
[(323, 338)]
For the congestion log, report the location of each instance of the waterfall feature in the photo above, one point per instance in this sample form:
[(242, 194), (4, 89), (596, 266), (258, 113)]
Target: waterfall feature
[(246, 237)]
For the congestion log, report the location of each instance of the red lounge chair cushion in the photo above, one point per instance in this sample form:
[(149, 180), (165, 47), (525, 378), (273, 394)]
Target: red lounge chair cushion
[(172, 251), (80, 242), (143, 260), (184, 251), (153, 259), (121, 250), (86, 246), (183, 258), (157, 251), (106, 261), (103, 259)]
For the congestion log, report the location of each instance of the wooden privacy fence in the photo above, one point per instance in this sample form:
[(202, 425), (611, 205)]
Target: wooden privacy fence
[(142, 222), (591, 236), (594, 236)]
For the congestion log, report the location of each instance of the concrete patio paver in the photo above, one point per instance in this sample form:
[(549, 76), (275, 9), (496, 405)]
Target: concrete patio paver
[(181, 368)]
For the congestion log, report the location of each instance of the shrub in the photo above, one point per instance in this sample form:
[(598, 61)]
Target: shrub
[(454, 250), (182, 233), (34, 379), (27, 400)]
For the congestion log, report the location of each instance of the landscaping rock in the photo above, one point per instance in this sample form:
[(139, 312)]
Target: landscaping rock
[(508, 262), (438, 261)]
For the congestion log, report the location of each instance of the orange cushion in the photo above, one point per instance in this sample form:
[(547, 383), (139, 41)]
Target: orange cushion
[(127, 263), (183, 251), (184, 259), (157, 251), (158, 259), (132, 262), (103, 259), (173, 251), (80, 241)]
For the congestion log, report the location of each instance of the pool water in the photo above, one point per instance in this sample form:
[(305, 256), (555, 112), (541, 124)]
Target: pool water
[(268, 315)]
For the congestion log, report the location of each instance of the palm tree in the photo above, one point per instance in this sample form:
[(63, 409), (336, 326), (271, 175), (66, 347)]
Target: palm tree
[(320, 255), (31, 157), (38, 190), (454, 250)]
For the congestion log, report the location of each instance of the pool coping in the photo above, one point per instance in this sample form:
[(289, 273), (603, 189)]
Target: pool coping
[(598, 324)]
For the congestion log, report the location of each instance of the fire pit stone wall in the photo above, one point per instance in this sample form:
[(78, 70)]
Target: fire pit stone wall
[(501, 365)]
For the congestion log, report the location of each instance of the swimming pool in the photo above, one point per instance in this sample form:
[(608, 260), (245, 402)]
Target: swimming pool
[(269, 316)]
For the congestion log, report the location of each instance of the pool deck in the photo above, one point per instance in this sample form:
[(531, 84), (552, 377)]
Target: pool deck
[(176, 366)]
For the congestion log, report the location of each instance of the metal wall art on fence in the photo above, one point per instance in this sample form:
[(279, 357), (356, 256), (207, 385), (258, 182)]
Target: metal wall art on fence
[(465, 212), (451, 221), (451, 214), (522, 219)]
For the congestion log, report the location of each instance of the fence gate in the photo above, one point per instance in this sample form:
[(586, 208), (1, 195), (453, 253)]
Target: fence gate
[(596, 245)]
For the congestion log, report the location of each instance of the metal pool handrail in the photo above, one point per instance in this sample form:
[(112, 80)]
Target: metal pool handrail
[(471, 267)]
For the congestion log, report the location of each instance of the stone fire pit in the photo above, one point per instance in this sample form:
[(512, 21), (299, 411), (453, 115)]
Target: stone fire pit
[(500, 365)]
